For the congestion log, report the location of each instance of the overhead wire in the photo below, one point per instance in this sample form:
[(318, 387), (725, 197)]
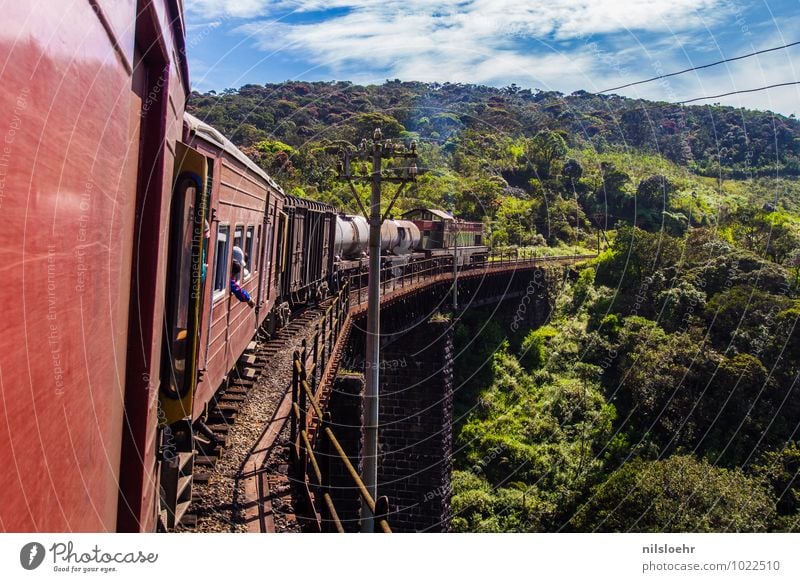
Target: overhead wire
[(765, 87), (690, 69)]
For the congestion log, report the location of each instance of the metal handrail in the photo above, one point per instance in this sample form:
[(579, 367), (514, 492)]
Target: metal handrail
[(305, 400), (427, 268), (362, 489)]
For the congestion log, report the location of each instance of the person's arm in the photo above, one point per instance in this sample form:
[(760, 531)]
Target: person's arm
[(241, 294)]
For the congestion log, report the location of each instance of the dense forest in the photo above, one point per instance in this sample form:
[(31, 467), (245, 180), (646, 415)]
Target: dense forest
[(661, 394)]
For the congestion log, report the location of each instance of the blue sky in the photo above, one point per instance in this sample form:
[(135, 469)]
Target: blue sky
[(562, 45)]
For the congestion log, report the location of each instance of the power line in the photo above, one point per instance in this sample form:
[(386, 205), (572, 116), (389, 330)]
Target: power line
[(737, 92), (791, 44), (670, 103)]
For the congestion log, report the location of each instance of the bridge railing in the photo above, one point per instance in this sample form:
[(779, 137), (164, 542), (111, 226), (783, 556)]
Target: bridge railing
[(310, 428), (401, 275)]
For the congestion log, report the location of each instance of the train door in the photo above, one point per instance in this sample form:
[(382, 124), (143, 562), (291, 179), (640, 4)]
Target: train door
[(281, 255), (297, 265), (311, 244), (207, 307), (184, 286), (264, 242), (329, 220), (181, 330)]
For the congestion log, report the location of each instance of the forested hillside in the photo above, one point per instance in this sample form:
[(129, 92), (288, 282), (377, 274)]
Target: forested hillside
[(744, 143), (662, 395)]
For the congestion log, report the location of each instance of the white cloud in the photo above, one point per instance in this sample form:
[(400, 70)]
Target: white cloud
[(228, 8), (537, 44), (480, 41), (561, 18)]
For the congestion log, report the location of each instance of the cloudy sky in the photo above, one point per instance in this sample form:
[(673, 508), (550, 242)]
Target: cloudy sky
[(562, 45)]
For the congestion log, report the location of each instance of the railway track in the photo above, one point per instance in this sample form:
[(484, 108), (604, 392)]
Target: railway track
[(234, 420)]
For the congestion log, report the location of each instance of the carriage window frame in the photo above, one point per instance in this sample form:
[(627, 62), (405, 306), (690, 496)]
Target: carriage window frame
[(238, 233), (249, 242), (221, 261)]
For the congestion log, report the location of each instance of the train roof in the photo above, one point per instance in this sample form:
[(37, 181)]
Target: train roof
[(308, 203), (439, 213), (208, 133)]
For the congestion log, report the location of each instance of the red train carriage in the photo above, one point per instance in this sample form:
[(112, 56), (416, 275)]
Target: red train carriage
[(442, 233), (222, 192), (245, 204), (91, 108)]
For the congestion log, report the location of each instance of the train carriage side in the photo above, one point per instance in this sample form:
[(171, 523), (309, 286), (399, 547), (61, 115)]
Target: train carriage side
[(294, 285), (319, 239), (94, 111), (245, 203), (269, 251), (443, 235)]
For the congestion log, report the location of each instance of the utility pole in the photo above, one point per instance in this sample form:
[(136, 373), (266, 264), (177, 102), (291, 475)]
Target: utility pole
[(374, 152), (455, 265)]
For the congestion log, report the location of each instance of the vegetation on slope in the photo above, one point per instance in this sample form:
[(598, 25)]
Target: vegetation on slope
[(661, 396)]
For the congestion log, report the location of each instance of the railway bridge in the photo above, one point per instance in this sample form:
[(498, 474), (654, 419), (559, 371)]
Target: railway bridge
[(320, 419)]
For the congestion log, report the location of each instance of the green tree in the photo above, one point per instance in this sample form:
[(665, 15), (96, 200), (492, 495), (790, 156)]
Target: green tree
[(545, 149), (640, 265), (679, 494), (781, 470), (365, 124)]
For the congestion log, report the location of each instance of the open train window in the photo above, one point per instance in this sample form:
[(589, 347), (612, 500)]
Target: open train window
[(238, 237), (248, 248), (221, 260), (258, 244)]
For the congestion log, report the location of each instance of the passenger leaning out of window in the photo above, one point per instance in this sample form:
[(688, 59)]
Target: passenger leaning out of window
[(237, 268)]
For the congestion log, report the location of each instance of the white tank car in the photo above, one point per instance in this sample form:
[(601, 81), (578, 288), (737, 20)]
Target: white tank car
[(352, 236), (399, 237)]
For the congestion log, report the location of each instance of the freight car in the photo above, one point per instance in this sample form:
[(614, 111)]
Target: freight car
[(310, 230), (442, 234), (425, 234)]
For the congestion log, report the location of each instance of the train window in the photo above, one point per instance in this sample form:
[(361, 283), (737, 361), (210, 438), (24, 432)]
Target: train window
[(248, 248), (258, 244), (221, 260), (238, 235)]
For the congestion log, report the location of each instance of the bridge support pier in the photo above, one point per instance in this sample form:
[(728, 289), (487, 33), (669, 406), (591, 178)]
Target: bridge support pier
[(348, 417), (416, 427)]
